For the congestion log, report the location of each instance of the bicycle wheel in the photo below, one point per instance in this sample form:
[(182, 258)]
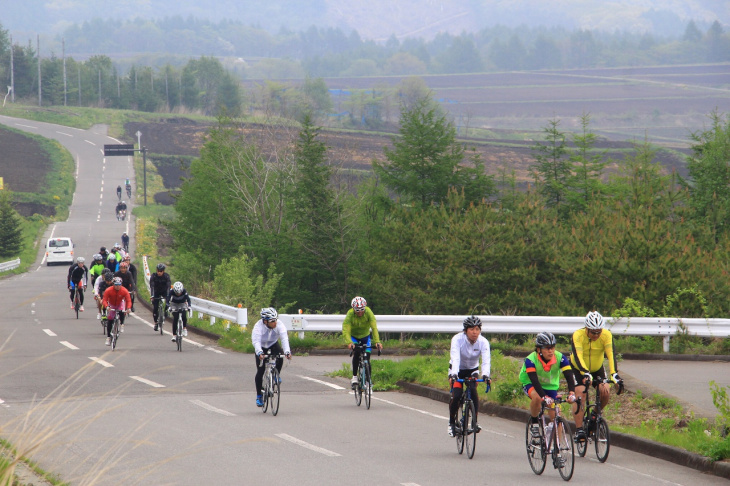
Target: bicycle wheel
[(563, 452), (178, 336), (115, 333), (458, 427), (267, 388), (603, 440), (358, 385), (275, 391), (367, 385), (535, 449), (470, 429), (582, 445), (77, 304), (160, 316)]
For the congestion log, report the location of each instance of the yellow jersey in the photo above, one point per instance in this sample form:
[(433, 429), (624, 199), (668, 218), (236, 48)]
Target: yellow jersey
[(587, 355)]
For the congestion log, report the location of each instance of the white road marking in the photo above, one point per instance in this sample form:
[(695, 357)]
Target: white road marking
[(49, 332), (92, 143), (26, 126), (68, 345), (67, 134), (331, 385), (410, 484), (411, 408), (105, 364), (664, 481), (212, 408), (214, 350), (147, 382), (307, 445)]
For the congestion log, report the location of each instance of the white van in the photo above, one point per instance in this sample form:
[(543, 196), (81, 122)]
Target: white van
[(59, 250)]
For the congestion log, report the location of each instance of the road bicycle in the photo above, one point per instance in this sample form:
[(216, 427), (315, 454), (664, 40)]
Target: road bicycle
[(121, 214), (364, 384), (103, 321), (466, 426), (77, 299), (271, 382), (179, 327), (554, 439), (129, 191), (116, 325), (160, 314), (595, 426)]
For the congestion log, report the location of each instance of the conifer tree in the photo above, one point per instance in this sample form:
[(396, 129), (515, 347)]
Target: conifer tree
[(11, 240)]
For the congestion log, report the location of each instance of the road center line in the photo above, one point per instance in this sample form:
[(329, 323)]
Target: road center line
[(307, 445), (147, 382), (67, 134), (68, 345), (331, 385), (411, 408), (105, 364), (49, 332), (212, 408)]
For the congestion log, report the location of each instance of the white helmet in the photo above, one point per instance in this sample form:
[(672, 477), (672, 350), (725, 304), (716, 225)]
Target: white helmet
[(269, 314), (358, 303), (594, 320), (177, 287), (80, 260)]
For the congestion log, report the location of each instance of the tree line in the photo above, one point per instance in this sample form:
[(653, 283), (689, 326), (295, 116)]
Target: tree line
[(427, 232)]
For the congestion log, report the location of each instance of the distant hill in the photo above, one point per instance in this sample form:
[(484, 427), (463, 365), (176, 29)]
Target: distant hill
[(378, 19)]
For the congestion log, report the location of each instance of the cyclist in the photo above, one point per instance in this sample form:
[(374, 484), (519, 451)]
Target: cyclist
[(127, 280), (116, 299), (97, 267), (466, 349), (104, 253), (121, 206), (540, 377), (77, 277), (178, 301), (265, 337), (111, 262), (133, 270), (119, 192), (128, 186), (590, 345), (102, 283), (159, 287), (356, 328), (125, 242)]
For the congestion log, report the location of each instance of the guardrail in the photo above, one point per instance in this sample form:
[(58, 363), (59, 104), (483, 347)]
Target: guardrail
[(4, 267), (214, 310), (665, 327)]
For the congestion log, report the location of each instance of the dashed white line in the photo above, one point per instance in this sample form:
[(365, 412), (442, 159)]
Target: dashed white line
[(211, 408), (105, 364), (331, 385), (307, 445), (67, 134), (214, 350), (68, 345), (89, 141), (49, 332), (147, 382), (411, 408), (26, 126), (664, 481)]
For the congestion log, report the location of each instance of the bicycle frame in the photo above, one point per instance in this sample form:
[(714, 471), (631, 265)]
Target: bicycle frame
[(160, 314), (594, 425), (466, 425), (271, 390), (555, 441), (364, 383)]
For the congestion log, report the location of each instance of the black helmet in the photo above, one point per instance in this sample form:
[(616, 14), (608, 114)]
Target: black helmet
[(545, 339), (160, 267), (472, 321)]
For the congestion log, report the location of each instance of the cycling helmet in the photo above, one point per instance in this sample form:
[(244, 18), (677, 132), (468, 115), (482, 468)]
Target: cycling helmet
[(358, 303), (123, 266), (117, 280), (269, 314), (124, 202), (177, 287), (108, 277), (545, 339), (112, 257), (594, 320), (80, 260), (124, 234), (97, 257), (126, 258), (472, 321), (102, 249), (160, 267)]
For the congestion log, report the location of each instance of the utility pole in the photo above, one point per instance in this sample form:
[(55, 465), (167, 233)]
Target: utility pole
[(12, 73), (63, 50), (38, 53), (144, 164)]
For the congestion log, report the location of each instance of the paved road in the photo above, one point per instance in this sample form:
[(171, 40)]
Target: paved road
[(148, 414)]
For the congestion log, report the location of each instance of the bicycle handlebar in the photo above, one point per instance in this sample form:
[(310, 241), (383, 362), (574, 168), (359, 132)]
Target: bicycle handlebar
[(363, 347), (268, 356)]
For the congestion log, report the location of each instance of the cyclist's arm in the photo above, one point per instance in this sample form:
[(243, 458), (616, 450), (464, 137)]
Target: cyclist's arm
[(281, 328), (608, 350), (373, 324), (576, 343), (534, 380), (256, 337), (347, 327), (567, 372), (127, 300), (455, 356), (486, 358)]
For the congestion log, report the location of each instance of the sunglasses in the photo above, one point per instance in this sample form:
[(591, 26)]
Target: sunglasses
[(595, 333)]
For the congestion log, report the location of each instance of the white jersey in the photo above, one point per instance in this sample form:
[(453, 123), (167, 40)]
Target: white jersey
[(465, 355), (263, 337)]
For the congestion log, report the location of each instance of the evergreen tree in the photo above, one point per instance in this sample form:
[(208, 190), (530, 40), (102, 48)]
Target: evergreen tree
[(585, 184), (11, 233), (424, 162), (553, 169)]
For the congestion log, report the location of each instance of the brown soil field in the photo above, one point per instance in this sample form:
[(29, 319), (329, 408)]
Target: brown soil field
[(347, 150), (24, 167)]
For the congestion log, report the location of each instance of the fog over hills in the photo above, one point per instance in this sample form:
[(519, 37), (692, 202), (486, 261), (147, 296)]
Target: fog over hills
[(378, 19)]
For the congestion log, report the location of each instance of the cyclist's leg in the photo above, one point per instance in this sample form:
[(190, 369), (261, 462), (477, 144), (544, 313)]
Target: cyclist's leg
[(579, 405), (355, 358), (259, 379), (185, 319), (455, 401), (277, 349), (175, 314), (603, 387), (109, 322), (155, 303), (81, 296)]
